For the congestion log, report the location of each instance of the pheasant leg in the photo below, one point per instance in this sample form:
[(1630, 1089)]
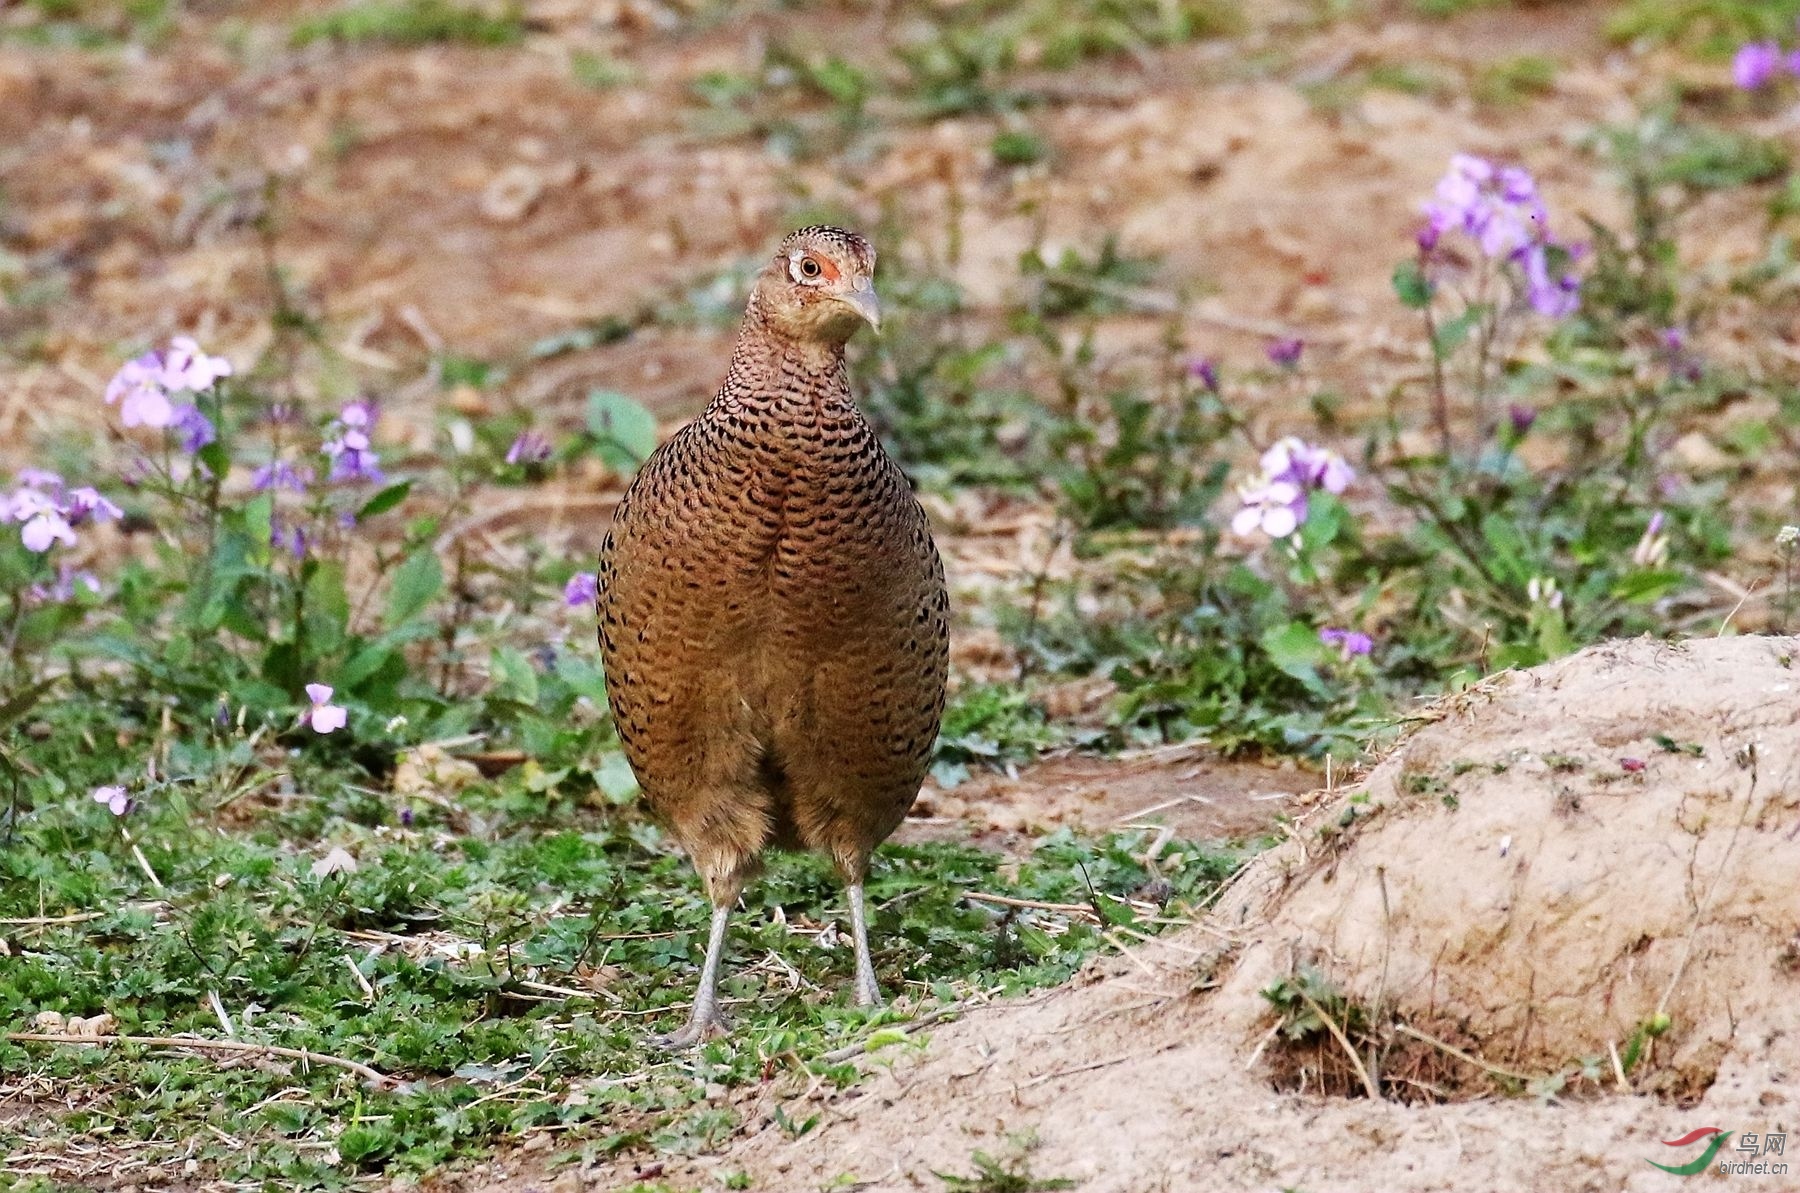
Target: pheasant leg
[(868, 993), (706, 1022)]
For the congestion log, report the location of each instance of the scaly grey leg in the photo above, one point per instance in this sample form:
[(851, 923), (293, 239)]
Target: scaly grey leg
[(868, 993), (706, 1022)]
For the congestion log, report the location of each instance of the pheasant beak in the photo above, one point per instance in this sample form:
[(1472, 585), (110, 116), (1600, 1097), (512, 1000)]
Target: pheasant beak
[(863, 301)]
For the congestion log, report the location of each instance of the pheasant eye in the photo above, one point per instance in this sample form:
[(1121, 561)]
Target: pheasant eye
[(809, 267)]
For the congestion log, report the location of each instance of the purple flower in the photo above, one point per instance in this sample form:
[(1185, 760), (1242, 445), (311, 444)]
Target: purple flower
[(63, 589), (141, 389), (1348, 642), (292, 539), (137, 389), (352, 459), (1521, 418), (1683, 365), (1518, 186), (583, 588), (42, 518), (146, 370), (184, 366), (84, 504), (1652, 549), (196, 429), (279, 474), (324, 715), (1755, 64), (1291, 459), (1499, 207), (1203, 370), (1285, 353), (1275, 503), (529, 448), (47, 515), (146, 405), (116, 799), (1275, 507), (38, 478), (1556, 297)]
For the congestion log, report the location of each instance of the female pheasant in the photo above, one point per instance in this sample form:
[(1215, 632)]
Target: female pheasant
[(773, 617)]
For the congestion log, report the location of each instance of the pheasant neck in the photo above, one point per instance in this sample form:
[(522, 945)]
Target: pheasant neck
[(766, 358)]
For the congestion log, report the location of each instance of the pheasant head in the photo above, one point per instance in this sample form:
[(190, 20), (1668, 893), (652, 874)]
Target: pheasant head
[(819, 287)]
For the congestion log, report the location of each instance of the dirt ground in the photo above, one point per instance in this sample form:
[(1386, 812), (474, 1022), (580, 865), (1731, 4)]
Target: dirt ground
[(443, 199), (469, 200)]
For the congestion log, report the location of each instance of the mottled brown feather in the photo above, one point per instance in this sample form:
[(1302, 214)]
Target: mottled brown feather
[(773, 616)]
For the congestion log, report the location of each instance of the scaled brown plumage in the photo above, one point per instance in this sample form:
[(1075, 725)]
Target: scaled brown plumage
[(773, 617)]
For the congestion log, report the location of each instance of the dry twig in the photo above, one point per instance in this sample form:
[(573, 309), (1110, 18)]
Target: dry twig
[(1080, 909), (377, 1079), (1337, 1033), (1407, 1029)]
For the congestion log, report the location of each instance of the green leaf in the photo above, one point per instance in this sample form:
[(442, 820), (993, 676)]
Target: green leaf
[(281, 666), (1018, 147), (624, 430), (1326, 518), (1294, 648), (364, 663), (1509, 552), (1644, 587), (15, 707), (214, 456), (259, 519), (327, 608), (514, 676), (1451, 334), (844, 83), (361, 1144), (1412, 286), (583, 678), (415, 583), (616, 779), (384, 501)]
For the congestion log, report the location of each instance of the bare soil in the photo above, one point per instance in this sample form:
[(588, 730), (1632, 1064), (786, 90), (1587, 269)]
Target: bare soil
[(1188, 790), (471, 200)]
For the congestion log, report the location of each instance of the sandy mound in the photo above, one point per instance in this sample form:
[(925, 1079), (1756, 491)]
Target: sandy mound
[(1598, 853), (1506, 883)]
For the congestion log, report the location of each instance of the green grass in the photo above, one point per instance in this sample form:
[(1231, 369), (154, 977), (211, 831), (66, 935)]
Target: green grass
[(1007, 1173), (412, 23), (1715, 27), (506, 956), (92, 24), (1451, 8), (599, 72), (1515, 80)]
